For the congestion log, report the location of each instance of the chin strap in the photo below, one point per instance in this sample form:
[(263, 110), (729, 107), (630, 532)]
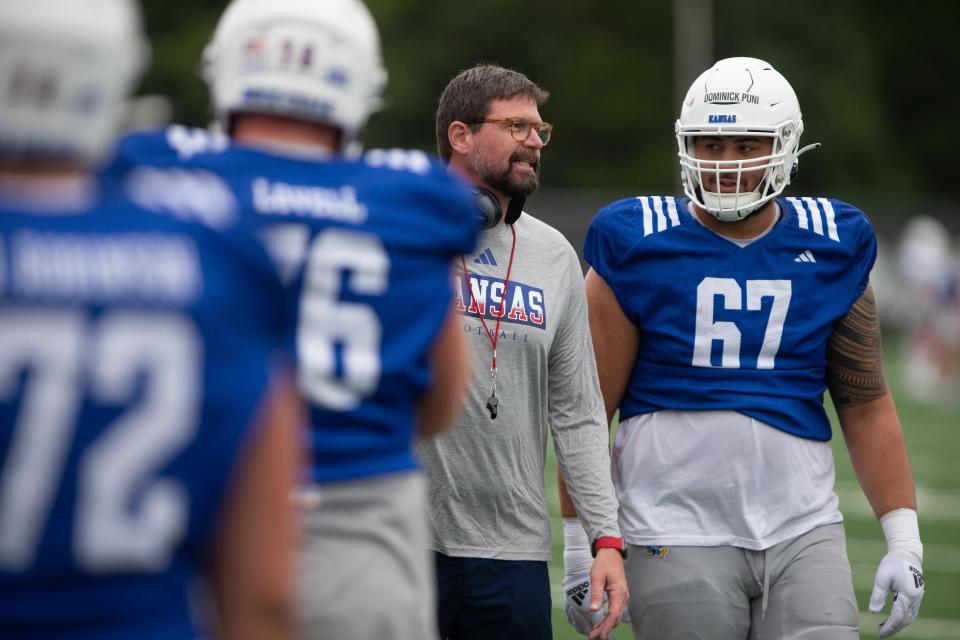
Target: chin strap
[(514, 209)]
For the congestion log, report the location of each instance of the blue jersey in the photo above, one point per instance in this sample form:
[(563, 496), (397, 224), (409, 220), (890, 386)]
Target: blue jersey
[(729, 327), (134, 351), (366, 247)]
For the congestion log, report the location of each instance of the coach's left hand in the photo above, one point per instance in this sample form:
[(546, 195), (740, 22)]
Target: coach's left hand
[(607, 576)]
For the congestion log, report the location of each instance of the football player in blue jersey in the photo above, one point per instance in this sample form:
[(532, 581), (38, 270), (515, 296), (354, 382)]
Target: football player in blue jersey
[(366, 245), (147, 445), (719, 321)]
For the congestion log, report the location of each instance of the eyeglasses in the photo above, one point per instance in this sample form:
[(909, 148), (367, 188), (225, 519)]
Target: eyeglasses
[(520, 128)]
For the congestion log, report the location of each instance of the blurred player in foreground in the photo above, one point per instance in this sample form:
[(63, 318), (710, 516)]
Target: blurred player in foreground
[(719, 321), (365, 245), (146, 446)]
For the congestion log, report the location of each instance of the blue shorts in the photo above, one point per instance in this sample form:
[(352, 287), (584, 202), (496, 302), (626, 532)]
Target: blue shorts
[(479, 599)]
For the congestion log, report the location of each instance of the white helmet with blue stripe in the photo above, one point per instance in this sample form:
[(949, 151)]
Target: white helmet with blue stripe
[(312, 60), (67, 68), (739, 97)]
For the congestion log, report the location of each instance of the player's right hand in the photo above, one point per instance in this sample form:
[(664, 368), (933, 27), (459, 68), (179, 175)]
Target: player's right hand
[(576, 604)]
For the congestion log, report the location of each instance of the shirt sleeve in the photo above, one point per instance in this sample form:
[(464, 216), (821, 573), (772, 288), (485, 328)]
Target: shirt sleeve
[(611, 240), (866, 255), (577, 416), (858, 235)]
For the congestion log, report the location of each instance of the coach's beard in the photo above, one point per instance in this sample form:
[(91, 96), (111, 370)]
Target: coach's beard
[(504, 180)]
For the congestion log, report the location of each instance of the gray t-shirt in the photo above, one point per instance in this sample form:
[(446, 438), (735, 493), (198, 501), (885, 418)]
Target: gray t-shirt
[(485, 478)]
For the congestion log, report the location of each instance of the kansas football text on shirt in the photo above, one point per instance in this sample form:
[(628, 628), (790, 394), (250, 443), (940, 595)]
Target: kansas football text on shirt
[(524, 303)]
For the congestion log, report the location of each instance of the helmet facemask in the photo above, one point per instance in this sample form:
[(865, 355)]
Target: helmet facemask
[(776, 166)]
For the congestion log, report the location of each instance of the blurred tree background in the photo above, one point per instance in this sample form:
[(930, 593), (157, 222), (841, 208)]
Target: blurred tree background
[(877, 81)]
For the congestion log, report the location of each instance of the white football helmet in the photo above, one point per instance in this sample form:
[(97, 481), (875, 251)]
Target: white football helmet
[(316, 60), (66, 70), (739, 97)]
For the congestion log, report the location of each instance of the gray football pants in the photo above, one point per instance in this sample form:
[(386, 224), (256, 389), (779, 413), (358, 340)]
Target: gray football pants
[(365, 569), (800, 588)]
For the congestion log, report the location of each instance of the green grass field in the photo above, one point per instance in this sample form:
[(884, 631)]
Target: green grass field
[(933, 437)]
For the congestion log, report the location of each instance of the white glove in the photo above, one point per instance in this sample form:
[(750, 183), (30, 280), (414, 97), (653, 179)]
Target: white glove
[(900, 571), (577, 562), (576, 604), (904, 578)]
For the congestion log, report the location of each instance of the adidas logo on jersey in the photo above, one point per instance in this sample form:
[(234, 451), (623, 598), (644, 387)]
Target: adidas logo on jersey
[(578, 592), (486, 257), (806, 256)]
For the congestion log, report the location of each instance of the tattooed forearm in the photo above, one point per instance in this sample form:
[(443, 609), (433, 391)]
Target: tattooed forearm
[(854, 360)]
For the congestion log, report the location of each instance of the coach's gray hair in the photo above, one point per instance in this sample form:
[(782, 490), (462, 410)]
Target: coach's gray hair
[(468, 96)]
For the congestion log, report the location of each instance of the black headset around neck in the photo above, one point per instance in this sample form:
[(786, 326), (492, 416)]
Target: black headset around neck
[(490, 211)]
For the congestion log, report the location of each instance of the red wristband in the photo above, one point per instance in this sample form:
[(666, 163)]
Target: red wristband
[(609, 542)]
